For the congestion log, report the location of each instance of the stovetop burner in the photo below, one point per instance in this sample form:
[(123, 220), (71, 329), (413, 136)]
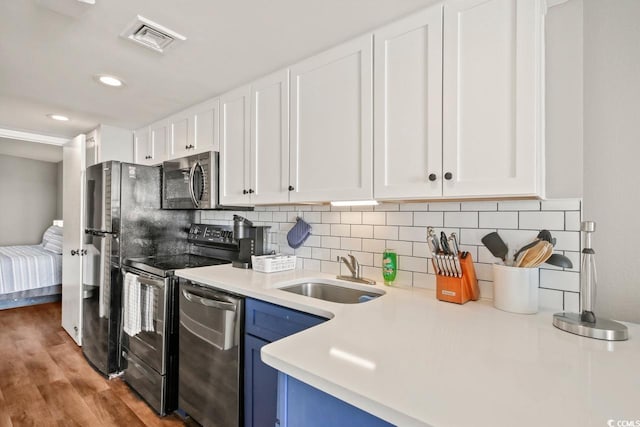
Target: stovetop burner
[(167, 264)]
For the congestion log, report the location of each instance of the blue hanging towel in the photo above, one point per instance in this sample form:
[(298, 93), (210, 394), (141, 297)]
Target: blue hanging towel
[(298, 233)]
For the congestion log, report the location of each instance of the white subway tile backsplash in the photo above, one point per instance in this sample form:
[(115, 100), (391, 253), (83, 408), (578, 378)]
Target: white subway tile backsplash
[(542, 220), (414, 234), (312, 264), (384, 207), (444, 206), (409, 263), (562, 280), (519, 205), (385, 232), (374, 218), (426, 281), (567, 241), (400, 218), (351, 244), (351, 217), (331, 217), (572, 221), (479, 206), (473, 236), (550, 299), (321, 253), (363, 231), (331, 242), (414, 207), (572, 302), (498, 220), (421, 250), (340, 230), (561, 205), (320, 229), (486, 289), (401, 248), (461, 219), (428, 219), (373, 245)]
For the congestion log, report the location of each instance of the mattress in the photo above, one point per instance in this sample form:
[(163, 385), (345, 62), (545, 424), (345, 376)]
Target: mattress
[(28, 267)]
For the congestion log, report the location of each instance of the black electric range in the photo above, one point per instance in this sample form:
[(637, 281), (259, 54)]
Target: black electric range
[(165, 266)]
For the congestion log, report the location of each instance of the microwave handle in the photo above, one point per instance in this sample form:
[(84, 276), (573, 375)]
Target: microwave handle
[(192, 192)]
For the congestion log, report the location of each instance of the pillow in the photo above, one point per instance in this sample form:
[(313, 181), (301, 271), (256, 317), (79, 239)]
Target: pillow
[(52, 239)]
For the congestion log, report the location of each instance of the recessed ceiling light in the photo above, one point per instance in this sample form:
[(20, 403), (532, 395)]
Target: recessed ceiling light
[(109, 80), (58, 117)]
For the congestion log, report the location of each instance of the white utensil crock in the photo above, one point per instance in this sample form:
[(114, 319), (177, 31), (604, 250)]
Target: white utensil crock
[(515, 289)]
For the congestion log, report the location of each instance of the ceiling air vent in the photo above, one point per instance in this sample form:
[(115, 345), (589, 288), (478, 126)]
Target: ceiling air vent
[(150, 34)]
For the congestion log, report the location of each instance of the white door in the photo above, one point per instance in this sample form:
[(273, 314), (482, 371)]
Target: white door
[(234, 146), (142, 147), (408, 107), (331, 119), (492, 131), (72, 214), (270, 139), (204, 126)]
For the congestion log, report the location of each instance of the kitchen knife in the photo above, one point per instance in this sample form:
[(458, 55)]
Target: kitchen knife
[(454, 256), (433, 247), (447, 251)]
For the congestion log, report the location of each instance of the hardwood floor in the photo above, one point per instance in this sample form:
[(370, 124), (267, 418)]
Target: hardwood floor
[(45, 380)]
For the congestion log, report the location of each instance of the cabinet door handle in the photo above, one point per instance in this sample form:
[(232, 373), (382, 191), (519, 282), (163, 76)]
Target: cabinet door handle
[(448, 176), (291, 188), (250, 191), (244, 191), (432, 177)]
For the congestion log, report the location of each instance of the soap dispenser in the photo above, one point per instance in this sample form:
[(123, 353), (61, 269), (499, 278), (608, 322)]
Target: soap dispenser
[(586, 323)]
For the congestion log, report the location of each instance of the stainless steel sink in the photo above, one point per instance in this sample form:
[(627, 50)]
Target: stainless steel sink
[(332, 292)]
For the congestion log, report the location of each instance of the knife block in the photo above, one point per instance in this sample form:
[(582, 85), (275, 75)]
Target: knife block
[(458, 290)]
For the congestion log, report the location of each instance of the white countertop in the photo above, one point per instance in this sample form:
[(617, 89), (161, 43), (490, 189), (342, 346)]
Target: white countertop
[(416, 361)]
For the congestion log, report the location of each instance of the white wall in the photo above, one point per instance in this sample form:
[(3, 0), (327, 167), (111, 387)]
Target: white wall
[(28, 199), (612, 150), (564, 100)]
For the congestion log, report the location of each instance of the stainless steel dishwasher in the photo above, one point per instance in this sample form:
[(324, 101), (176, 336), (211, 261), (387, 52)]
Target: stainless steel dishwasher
[(209, 355)]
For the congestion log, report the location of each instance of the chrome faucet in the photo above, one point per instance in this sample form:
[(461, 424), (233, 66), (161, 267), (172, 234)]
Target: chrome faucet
[(356, 272)]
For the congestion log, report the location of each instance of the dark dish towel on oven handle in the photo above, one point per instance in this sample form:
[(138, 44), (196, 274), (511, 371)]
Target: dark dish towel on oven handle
[(298, 233)]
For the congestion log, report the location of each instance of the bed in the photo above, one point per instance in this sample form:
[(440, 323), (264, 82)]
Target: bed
[(32, 274)]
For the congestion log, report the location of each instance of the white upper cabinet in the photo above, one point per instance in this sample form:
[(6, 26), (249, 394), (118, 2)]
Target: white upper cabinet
[(408, 107), (195, 130), (106, 143), (269, 158), (235, 108), (142, 151), (331, 153), (493, 68)]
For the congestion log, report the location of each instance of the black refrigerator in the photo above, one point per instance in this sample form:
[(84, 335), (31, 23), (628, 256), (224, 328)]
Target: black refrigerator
[(123, 219)]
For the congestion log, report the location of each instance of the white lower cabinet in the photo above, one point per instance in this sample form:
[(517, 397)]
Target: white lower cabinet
[(331, 154)]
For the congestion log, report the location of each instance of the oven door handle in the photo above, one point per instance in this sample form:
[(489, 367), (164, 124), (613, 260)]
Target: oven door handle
[(151, 282), (222, 305)]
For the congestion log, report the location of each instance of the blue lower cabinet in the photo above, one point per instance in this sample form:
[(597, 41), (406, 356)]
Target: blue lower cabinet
[(265, 323), (299, 404), (260, 385)]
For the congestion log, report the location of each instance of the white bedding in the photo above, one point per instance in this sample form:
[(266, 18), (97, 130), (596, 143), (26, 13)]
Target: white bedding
[(28, 267)]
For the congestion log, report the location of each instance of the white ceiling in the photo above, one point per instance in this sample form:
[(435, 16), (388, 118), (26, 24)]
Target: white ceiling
[(30, 150), (49, 58)]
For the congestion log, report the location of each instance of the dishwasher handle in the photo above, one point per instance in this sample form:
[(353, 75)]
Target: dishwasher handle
[(222, 305)]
